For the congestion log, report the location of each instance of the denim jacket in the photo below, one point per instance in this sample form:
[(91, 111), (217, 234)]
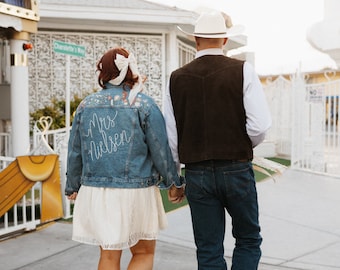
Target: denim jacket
[(115, 144)]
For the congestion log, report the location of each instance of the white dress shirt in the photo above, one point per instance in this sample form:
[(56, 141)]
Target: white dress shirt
[(258, 119)]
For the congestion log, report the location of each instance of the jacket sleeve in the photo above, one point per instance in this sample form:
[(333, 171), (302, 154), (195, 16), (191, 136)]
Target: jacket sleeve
[(74, 158), (160, 152)]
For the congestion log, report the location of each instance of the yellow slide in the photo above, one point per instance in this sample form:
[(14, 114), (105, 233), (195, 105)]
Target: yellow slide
[(22, 174)]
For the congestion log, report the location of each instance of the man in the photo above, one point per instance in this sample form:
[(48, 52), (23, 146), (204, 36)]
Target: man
[(216, 112)]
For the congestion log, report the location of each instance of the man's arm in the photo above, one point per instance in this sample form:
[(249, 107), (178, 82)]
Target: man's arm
[(256, 107), (171, 127)]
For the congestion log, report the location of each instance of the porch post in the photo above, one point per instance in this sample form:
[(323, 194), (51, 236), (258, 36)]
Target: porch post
[(19, 94), (173, 60)]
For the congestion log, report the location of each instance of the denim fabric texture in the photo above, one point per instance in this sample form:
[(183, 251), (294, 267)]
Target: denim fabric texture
[(115, 144), (212, 188)]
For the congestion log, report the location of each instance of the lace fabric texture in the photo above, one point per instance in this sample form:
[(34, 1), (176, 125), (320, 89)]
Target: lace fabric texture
[(117, 218)]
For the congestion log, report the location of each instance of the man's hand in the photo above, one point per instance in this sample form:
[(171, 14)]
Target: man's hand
[(176, 195), (73, 196)]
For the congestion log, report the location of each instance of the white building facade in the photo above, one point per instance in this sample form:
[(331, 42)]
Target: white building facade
[(144, 28)]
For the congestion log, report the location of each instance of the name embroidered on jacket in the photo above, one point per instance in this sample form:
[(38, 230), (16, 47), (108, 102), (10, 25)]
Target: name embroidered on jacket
[(110, 140)]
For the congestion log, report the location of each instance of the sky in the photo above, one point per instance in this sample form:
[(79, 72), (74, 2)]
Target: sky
[(276, 31)]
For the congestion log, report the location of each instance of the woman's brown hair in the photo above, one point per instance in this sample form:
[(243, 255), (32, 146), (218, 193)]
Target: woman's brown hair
[(108, 70)]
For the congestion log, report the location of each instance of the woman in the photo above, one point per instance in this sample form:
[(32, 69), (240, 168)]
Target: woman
[(117, 149)]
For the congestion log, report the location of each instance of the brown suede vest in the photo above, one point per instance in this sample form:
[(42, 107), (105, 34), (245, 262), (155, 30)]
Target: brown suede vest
[(207, 97)]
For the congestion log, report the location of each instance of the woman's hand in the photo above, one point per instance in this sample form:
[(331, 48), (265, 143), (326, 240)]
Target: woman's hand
[(73, 196), (175, 194)]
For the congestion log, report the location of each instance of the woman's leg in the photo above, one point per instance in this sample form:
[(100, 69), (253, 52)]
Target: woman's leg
[(142, 255), (109, 259)]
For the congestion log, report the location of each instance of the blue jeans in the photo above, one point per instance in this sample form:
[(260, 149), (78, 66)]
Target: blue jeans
[(215, 186)]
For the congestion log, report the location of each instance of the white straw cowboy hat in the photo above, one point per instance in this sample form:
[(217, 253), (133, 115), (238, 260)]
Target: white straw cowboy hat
[(213, 25)]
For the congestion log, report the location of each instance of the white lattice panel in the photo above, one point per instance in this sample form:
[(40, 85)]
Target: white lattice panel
[(47, 70)]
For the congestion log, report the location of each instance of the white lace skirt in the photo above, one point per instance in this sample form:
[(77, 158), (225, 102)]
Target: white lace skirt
[(117, 218)]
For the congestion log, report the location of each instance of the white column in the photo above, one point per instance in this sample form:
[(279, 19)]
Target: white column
[(173, 62), (170, 58), (19, 95)]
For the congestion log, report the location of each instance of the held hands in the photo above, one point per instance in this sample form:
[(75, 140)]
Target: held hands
[(175, 194), (73, 196)]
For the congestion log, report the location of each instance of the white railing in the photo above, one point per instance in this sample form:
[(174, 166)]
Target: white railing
[(5, 161), (57, 139), (24, 215), (279, 95), (305, 122), (5, 144), (316, 140)]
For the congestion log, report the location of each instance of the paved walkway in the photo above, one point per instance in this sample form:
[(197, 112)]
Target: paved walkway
[(299, 215)]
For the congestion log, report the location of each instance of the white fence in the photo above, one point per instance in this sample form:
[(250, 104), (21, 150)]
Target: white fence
[(279, 95), (305, 123), (316, 144), (57, 140), (5, 144), (25, 214)]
